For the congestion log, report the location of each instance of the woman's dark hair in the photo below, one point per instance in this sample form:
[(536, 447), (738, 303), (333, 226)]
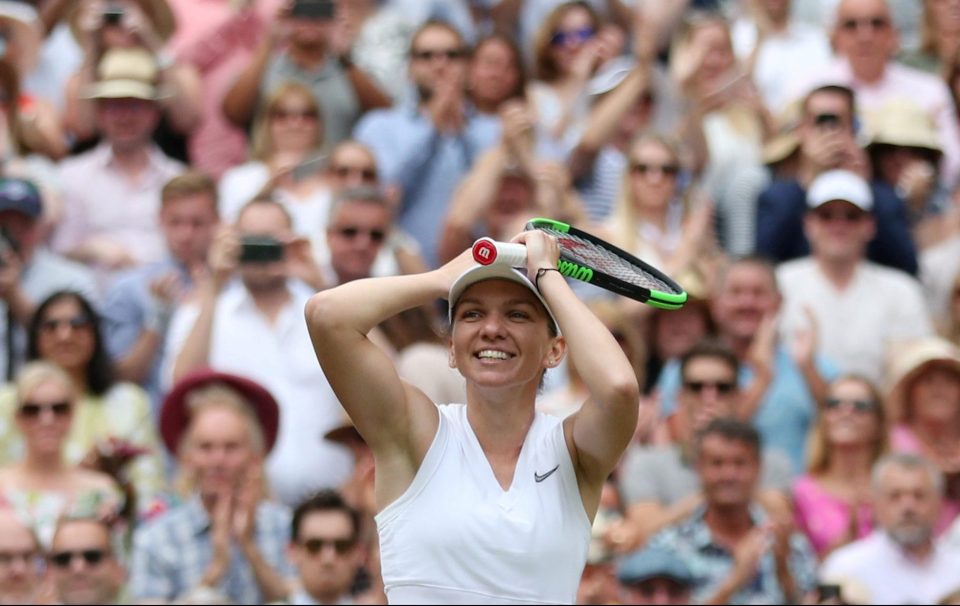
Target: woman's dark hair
[(99, 371)]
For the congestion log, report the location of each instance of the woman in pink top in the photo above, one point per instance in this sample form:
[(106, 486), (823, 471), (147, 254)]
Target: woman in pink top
[(832, 500), (924, 406)]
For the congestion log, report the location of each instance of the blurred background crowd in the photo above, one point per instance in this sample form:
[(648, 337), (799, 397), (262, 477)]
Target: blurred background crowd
[(177, 177)]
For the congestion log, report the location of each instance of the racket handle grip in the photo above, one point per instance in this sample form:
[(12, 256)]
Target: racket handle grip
[(487, 251)]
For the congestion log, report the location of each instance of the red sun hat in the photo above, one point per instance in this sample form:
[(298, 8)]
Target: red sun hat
[(175, 416)]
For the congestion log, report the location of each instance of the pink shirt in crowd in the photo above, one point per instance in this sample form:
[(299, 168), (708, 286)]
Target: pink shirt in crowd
[(823, 517), (219, 41)]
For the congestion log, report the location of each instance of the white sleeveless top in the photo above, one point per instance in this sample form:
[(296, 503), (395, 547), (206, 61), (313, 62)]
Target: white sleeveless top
[(456, 537)]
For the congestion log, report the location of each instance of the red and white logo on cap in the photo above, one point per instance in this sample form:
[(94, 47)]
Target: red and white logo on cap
[(484, 251)]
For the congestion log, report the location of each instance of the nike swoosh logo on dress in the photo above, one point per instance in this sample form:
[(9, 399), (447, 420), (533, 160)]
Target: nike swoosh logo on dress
[(540, 478)]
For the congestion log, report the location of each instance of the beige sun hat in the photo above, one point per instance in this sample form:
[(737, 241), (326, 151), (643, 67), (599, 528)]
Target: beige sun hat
[(903, 123), (126, 73), (909, 361), (785, 141)]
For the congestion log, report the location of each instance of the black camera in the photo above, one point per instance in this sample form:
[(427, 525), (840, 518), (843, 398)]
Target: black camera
[(112, 14), (260, 249), (827, 120), (313, 9)]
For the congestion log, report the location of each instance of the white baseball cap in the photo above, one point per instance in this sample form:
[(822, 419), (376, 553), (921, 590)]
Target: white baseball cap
[(840, 185), (495, 271)]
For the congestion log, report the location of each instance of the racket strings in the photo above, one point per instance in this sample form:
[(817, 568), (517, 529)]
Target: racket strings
[(591, 255)]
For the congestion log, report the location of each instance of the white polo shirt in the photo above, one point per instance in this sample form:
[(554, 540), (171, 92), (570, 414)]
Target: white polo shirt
[(281, 358), (892, 576)]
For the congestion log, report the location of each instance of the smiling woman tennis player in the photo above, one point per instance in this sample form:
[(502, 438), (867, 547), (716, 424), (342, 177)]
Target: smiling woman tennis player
[(487, 502)]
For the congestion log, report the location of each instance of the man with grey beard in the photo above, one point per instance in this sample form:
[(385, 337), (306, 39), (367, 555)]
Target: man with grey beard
[(901, 563)]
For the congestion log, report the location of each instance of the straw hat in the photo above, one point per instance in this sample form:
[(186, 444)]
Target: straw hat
[(785, 141), (126, 73), (902, 123), (909, 361), (158, 11)]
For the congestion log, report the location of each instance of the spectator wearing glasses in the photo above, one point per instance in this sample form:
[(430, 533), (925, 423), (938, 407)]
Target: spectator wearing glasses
[(741, 555), (786, 383), (653, 216), (860, 310), (43, 484), (247, 318), (224, 540), (827, 134), (833, 501), (21, 569), (82, 563), (865, 40), (424, 148), (113, 429), (325, 549), (301, 47), (570, 45), (659, 484), (359, 227), (30, 271)]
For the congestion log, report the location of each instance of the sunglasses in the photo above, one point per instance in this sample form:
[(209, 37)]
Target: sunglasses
[(92, 557), (368, 175), (827, 120), (643, 168), (75, 323), (451, 54), (723, 387), (576, 36), (29, 410), (857, 405), (874, 23), (341, 546), (283, 114), (847, 216), (377, 236)]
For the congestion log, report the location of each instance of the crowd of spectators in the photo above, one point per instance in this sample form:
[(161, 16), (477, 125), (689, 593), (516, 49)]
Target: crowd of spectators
[(178, 177)]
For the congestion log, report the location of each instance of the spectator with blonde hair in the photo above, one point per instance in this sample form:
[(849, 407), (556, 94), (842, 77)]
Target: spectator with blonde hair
[(832, 500)]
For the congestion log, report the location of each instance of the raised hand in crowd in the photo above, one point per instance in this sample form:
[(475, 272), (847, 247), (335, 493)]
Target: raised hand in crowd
[(445, 106)]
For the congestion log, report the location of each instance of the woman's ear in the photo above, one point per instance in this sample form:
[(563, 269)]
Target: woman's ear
[(558, 349)]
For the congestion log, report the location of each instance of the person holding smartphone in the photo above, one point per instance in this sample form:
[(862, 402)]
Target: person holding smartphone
[(247, 319)]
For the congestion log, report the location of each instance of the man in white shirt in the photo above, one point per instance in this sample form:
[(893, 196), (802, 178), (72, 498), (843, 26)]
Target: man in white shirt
[(248, 320), (860, 309), (900, 563)]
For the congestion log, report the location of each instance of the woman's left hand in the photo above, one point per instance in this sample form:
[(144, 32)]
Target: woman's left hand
[(543, 251)]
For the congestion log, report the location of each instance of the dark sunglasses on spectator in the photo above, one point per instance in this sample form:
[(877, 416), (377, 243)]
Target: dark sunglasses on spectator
[(452, 54), (8, 558), (31, 410), (376, 235), (315, 546), (720, 386), (76, 323), (563, 38), (849, 216), (63, 559), (642, 168), (368, 175), (283, 114), (875, 23), (857, 405)]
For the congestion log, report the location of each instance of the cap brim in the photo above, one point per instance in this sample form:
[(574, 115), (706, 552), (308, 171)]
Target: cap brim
[(496, 271), (174, 416), (124, 89)]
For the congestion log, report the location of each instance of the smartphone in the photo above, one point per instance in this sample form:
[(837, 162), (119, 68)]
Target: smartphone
[(313, 9), (260, 249), (827, 120), (112, 14), (828, 592)]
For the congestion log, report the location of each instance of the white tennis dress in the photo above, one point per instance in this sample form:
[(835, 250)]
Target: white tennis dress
[(456, 537)]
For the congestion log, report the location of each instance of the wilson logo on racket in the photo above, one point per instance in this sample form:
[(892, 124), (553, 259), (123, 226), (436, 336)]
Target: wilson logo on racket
[(572, 270)]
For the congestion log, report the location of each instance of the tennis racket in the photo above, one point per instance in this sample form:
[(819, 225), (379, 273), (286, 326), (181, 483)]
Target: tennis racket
[(590, 259)]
